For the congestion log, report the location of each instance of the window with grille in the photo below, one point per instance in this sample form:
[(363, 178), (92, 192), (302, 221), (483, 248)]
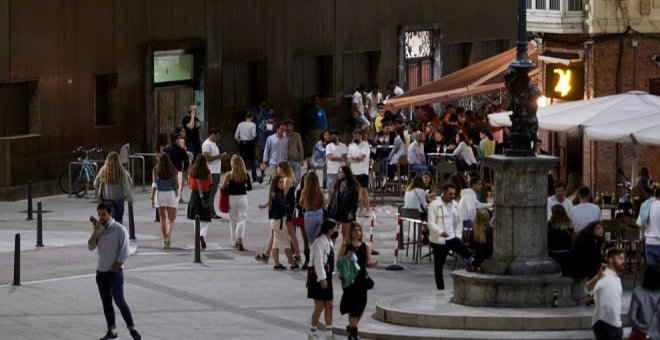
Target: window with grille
[(419, 51), (554, 5), (576, 5), (540, 4)]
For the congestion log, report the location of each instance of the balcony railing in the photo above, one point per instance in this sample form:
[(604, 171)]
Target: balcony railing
[(556, 5), (555, 16)]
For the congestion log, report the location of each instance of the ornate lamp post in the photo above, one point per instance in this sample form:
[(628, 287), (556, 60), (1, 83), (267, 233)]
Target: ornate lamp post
[(524, 124)]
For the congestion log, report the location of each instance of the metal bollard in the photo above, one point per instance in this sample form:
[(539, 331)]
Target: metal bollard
[(17, 260), (131, 222), (29, 200), (40, 226), (198, 254)]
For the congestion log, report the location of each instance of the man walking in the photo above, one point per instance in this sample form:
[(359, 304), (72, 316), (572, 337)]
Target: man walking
[(111, 240), (606, 287), (275, 150), (212, 154), (444, 226), (191, 124), (246, 134), (295, 153), (649, 220)]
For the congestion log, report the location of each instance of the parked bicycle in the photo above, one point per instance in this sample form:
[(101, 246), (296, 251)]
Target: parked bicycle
[(79, 177)]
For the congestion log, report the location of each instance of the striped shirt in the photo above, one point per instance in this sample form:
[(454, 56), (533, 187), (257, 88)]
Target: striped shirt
[(112, 244)]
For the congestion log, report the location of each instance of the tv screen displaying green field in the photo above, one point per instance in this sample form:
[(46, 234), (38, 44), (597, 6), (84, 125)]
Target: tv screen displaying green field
[(169, 68)]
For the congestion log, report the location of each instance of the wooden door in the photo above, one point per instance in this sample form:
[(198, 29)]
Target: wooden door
[(170, 106)]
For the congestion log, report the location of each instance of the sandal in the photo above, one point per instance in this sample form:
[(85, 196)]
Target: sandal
[(261, 258), (295, 267), (279, 267)]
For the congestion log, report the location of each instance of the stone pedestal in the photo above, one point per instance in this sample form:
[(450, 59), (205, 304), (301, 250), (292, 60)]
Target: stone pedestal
[(519, 273)]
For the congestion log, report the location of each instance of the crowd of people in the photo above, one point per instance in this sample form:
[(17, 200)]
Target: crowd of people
[(325, 201)]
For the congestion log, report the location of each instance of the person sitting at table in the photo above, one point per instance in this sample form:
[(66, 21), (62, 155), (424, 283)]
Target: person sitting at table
[(584, 213), (465, 160), (433, 142), (400, 149), (378, 122), (416, 156), (387, 135), (428, 182), (467, 207)]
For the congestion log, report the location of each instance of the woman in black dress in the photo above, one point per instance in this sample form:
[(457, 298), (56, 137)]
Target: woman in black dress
[(319, 276), (354, 299), (585, 259), (344, 201)]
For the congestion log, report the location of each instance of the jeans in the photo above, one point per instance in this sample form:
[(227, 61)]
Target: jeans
[(247, 152), (652, 254), (313, 221), (295, 165), (440, 252), (330, 181), (117, 210), (604, 331), (111, 286)]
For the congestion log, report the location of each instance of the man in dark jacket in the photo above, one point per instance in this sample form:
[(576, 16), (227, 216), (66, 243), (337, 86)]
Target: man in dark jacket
[(179, 158)]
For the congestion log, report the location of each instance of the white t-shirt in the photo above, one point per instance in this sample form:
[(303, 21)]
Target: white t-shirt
[(583, 214), (653, 231), (415, 199), (357, 99), (355, 150), (553, 201), (607, 295), (372, 102), (335, 150), (212, 149)]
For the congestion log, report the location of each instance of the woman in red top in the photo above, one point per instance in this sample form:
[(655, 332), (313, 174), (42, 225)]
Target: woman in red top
[(200, 177)]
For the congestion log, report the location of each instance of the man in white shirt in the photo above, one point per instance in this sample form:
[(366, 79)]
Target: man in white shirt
[(246, 136), (358, 157), (335, 153), (584, 213), (445, 231), (357, 107), (467, 207), (559, 198), (650, 224), (416, 155), (212, 154), (606, 287), (394, 90), (372, 100)]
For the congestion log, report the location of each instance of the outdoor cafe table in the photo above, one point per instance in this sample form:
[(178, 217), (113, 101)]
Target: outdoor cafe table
[(381, 151), (436, 157)]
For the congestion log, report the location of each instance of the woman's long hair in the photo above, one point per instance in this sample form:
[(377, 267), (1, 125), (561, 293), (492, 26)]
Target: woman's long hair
[(480, 224), (588, 231), (112, 171), (573, 184), (287, 171), (326, 226), (348, 177), (273, 188), (200, 169), (399, 132), (415, 183), (165, 169), (311, 189), (238, 172), (489, 134), (559, 219), (349, 236)]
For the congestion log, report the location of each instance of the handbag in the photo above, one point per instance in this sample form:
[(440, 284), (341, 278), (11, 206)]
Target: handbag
[(206, 202), (370, 282), (224, 201), (298, 221), (636, 334)]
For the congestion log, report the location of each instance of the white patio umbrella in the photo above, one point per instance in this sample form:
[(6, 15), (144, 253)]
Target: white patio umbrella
[(632, 117)]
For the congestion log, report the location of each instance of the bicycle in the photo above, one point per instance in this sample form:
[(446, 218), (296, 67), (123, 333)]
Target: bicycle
[(80, 175)]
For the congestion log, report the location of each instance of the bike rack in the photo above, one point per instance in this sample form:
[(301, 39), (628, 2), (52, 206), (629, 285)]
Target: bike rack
[(96, 166)]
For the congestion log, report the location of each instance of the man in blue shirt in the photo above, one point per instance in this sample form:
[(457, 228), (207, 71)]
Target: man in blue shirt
[(111, 240), (275, 150)]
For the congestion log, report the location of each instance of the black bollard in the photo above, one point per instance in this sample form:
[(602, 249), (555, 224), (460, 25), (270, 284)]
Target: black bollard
[(29, 199), (198, 255), (131, 222), (17, 260), (40, 226)]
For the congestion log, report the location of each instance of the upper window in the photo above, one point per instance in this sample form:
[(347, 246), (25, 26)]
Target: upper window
[(418, 44)]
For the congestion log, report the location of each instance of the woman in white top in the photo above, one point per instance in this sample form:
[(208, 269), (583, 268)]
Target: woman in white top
[(415, 197), (319, 276), (465, 160)]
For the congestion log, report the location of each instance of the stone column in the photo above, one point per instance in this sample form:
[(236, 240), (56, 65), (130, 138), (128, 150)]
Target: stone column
[(520, 205)]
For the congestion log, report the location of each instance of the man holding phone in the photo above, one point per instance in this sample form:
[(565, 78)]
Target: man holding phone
[(111, 240)]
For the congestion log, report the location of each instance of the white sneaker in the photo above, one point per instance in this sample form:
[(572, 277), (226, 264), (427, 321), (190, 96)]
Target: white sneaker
[(330, 337), (313, 336)]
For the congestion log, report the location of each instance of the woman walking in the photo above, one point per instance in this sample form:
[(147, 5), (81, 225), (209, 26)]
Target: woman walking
[(311, 201), (200, 181), (166, 184), (113, 184), (237, 183), (278, 205), (354, 298), (645, 305), (344, 202), (319, 277)]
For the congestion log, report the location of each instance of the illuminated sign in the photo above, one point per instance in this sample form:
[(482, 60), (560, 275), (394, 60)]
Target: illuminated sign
[(564, 82)]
